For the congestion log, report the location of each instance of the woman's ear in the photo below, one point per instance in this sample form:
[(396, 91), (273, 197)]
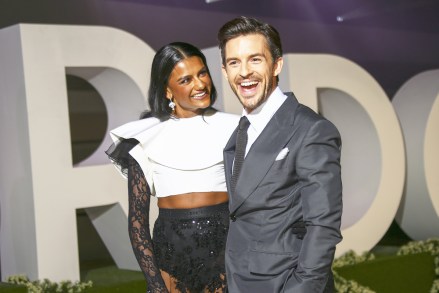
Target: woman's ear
[(168, 94)]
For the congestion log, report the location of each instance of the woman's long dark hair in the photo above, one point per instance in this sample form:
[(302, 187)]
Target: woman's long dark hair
[(162, 65)]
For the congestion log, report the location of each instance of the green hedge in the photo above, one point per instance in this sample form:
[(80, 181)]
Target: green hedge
[(414, 268), (12, 288)]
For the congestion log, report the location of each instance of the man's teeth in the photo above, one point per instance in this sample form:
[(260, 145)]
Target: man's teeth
[(248, 83)]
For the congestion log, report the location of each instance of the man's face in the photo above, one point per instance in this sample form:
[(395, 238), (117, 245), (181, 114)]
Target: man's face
[(250, 70)]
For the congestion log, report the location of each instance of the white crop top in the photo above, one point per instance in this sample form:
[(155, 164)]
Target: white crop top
[(181, 155)]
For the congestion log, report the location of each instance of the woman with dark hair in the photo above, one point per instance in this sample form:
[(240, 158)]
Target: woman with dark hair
[(175, 152)]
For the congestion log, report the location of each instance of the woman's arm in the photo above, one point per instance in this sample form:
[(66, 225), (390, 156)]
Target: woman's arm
[(138, 227)]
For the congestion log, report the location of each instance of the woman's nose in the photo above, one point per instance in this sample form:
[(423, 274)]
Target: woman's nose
[(200, 84)]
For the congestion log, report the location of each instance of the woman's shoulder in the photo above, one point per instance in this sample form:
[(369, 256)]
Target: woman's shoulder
[(134, 129), (225, 115), (223, 118)]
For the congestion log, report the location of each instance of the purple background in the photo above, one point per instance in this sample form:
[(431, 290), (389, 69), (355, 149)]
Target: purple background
[(392, 39)]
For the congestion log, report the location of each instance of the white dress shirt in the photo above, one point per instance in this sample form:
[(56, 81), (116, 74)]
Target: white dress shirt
[(260, 116)]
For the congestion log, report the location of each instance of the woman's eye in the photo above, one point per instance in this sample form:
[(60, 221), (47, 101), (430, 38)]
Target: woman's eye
[(203, 73), (184, 80)]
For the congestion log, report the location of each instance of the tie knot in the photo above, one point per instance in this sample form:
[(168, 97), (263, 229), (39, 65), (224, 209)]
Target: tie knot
[(244, 123)]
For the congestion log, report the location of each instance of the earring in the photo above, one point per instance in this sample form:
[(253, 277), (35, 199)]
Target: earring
[(171, 105)]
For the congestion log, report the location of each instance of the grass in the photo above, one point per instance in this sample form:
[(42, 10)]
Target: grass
[(389, 273), (394, 274), (11, 288), (107, 278)]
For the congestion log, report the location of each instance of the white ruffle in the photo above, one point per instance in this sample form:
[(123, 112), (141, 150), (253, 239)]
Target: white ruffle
[(136, 129), (192, 143), (185, 144)]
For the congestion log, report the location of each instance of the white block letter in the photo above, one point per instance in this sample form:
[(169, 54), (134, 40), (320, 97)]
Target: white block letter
[(39, 188), (417, 106), (373, 166)]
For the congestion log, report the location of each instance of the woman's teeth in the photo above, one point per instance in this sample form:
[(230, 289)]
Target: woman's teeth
[(199, 95)]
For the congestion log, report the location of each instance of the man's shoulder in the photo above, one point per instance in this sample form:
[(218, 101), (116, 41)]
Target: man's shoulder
[(301, 110), (306, 112), (307, 116)]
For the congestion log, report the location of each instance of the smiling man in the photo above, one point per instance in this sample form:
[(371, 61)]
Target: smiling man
[(282, 167)]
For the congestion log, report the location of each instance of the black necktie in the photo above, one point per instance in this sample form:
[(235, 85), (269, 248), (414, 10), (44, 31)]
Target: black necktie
[(241, 142)]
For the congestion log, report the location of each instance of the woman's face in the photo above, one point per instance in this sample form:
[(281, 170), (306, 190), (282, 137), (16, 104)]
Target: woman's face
[(189, 87)]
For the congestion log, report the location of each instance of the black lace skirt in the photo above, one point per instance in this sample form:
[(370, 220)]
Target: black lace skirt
[(189, 245)]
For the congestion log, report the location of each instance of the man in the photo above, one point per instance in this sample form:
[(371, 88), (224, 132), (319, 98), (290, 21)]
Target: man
[(286, 200)]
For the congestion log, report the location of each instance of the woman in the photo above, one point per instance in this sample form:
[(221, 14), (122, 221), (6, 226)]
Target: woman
[(175, 153)]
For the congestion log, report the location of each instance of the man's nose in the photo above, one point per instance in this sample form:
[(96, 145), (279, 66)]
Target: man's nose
[(245, 70)]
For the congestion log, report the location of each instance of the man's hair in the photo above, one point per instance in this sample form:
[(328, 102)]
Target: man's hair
[(243, 26)]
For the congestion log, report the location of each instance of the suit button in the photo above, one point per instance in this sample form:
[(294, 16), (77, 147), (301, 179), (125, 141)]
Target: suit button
[(233, 217)]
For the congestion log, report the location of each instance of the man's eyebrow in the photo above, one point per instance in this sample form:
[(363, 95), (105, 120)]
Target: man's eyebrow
[(257, 55), (250, 56)]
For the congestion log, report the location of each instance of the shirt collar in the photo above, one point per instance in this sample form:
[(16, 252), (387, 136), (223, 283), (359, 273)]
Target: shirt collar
[(260, 116)]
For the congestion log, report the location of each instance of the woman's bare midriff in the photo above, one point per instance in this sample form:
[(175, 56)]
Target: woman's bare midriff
[(192, 200)]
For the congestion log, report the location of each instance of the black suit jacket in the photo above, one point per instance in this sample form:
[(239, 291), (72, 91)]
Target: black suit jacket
[(285, 212)]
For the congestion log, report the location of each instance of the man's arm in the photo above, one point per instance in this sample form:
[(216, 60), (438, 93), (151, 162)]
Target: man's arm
[(318, 166)]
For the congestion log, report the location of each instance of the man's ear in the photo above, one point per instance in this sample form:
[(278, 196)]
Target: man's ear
[(278, 66), (223, 69)]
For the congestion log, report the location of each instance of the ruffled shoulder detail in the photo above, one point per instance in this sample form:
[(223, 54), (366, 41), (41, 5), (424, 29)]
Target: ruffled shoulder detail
[(186, 144), (192, 143), (126, 137), (139, 130), (119, 154)]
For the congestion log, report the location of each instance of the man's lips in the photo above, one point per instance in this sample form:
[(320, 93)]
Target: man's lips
[(248, 88)]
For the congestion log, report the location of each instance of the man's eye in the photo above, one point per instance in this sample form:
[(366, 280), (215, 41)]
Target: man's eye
[(256, 60), (232, 63)]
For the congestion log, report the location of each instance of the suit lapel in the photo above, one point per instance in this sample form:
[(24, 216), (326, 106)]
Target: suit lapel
[(262, 153)]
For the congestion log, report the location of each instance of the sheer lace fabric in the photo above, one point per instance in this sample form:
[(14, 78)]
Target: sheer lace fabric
[(201, 270), (138, 225), (119, 156)]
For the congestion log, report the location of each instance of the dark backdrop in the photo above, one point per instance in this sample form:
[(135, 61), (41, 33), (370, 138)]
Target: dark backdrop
[(392, 39)]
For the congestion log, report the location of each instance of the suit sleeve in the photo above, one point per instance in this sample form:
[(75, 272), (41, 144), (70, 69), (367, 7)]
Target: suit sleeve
[(318, 167)]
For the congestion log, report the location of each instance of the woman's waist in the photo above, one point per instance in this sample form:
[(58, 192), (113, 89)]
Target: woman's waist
[(193, 200)]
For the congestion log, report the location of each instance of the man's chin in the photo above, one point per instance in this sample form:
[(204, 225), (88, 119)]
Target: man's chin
[(249, 102), (249, 106)]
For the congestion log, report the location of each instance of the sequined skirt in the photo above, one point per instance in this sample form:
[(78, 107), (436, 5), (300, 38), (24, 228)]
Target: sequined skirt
[(189, 245)]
